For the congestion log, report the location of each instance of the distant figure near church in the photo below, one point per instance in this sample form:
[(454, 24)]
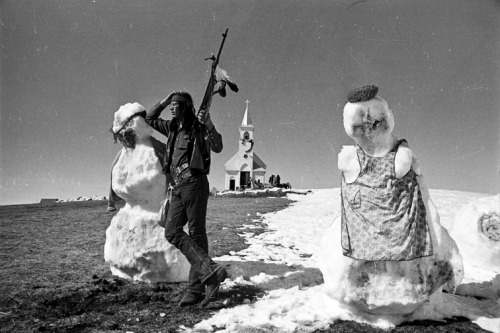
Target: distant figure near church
[(245, 167)]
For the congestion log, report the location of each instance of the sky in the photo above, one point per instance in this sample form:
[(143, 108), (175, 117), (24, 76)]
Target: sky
[(67, 66), (291, 240)]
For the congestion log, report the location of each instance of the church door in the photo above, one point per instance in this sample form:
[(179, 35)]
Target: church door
[(231, 184), (244, 178)]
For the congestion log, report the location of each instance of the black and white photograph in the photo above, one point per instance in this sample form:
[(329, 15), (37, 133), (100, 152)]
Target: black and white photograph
[(250, 166)]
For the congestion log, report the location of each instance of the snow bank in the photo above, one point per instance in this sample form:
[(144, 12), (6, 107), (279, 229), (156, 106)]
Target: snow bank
[(294, 239)]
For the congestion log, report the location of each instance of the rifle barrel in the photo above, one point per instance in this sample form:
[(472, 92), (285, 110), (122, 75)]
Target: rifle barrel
[(224, 35)]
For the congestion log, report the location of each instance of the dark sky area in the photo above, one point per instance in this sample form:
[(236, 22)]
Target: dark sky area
[(67, 66)]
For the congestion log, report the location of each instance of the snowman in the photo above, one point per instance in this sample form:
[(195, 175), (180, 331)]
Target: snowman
[(387, 253), (477, 232), (135, 246)]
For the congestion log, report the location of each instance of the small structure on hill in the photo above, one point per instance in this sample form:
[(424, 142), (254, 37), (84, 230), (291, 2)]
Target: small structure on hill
[(47, 201), (245, 169)]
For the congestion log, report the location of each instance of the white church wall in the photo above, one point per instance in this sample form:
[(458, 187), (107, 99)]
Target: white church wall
[(260, 176)]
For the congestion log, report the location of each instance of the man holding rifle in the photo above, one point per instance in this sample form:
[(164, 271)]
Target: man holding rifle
[(185, 161), (190, 139)]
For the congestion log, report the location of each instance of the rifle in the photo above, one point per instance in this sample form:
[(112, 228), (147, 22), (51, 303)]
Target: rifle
[(200, 157), (217, 75)]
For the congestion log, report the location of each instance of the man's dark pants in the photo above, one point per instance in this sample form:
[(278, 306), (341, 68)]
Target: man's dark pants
[(189, 205)]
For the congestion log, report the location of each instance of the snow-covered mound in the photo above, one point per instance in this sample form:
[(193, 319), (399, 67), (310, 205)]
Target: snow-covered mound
[(84, 198), (266, 192)]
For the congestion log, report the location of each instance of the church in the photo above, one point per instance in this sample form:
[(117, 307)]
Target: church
[(245, 167)]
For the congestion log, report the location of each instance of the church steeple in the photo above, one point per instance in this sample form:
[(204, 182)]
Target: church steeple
[(247, 122), (246, 134)]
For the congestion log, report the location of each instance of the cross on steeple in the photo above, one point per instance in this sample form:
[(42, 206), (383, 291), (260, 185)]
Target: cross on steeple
[(247, 101)]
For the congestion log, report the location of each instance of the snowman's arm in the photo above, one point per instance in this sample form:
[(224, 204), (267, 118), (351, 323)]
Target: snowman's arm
[(112, 197), (348, 163), (415, 165), (403, 161)]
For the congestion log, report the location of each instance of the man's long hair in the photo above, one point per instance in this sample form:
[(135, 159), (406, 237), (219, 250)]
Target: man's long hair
[(187, 112)]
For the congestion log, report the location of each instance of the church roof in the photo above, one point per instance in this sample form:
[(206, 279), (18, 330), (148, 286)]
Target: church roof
[(258, 164), (233, 164)]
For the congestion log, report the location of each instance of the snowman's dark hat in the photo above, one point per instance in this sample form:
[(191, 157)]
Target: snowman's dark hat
[(362, 94)]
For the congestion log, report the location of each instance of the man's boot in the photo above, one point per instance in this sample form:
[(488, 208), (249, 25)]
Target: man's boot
[(190, 298), (213, 284)]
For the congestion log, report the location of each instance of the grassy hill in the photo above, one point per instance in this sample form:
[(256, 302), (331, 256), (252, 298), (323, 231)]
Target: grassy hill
[(54, 277)]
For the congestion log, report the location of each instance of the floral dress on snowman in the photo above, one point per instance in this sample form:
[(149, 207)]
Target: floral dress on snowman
[(383, 217)]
